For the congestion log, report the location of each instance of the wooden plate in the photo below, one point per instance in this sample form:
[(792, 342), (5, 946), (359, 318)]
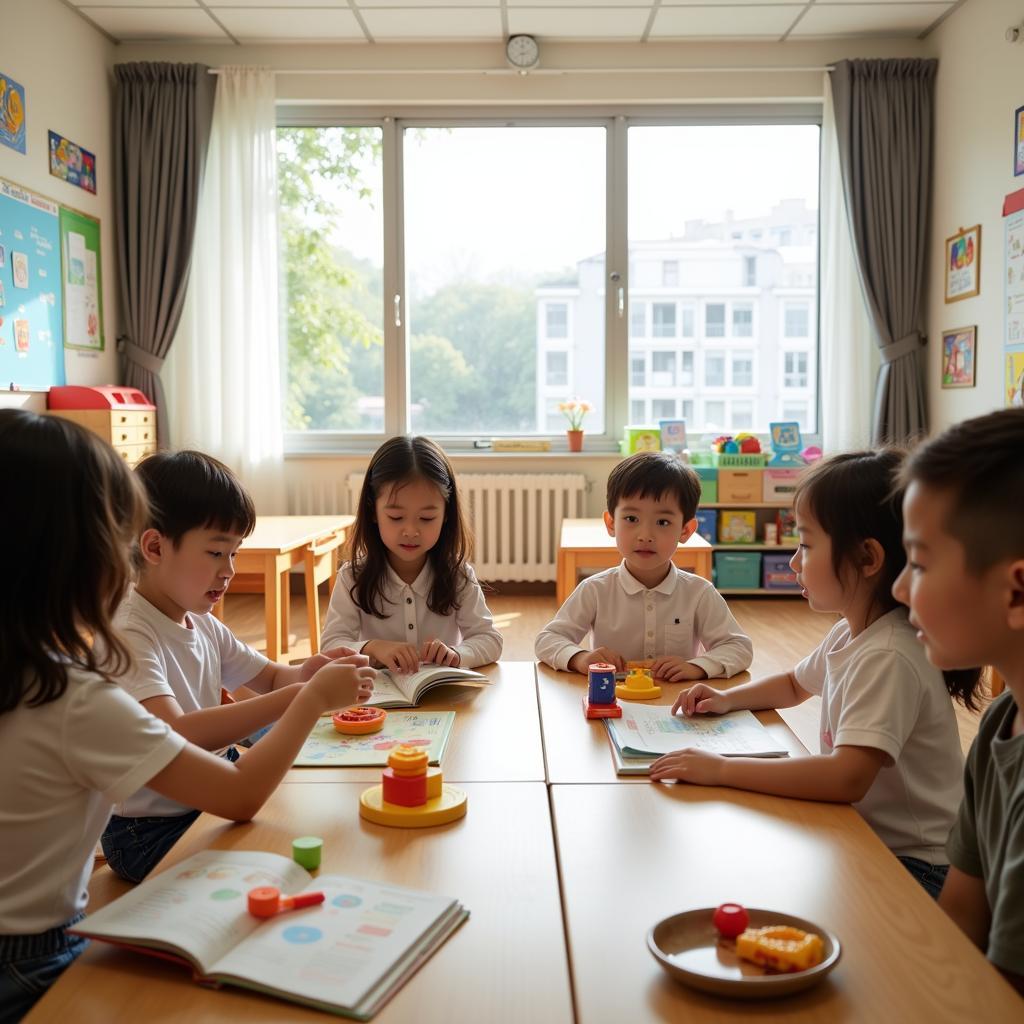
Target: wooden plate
[(690, 949)]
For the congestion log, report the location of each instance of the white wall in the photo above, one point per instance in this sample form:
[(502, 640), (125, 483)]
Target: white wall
[(64, 63), (980, 83)]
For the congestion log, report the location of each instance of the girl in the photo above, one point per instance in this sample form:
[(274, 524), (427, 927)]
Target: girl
[(409, 595), (72, 742), (889, 740)]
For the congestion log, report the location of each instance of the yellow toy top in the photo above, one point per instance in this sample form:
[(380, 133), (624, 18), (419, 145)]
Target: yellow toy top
[(407, 761)]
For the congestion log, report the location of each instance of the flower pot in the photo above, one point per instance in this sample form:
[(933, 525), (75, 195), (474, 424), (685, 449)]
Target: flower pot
[(575, 440)]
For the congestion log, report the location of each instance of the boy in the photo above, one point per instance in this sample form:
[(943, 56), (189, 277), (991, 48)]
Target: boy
[(646, 608), (183, 656), (964, 583)]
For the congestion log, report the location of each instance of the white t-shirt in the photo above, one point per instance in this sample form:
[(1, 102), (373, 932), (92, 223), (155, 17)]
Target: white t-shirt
[(64, 765), (189, 664), (879, 690)]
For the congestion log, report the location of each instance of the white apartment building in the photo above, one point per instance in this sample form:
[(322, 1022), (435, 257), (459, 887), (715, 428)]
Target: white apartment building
[(722, 327)]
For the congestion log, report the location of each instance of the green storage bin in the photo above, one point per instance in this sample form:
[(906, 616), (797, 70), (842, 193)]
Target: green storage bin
[(737, 570), (708, 484)]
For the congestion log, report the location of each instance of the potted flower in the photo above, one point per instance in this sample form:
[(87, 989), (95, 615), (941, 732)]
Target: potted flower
[(574, 411)]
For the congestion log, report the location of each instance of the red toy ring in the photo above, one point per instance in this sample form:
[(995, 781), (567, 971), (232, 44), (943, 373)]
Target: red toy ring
[(358, 720)]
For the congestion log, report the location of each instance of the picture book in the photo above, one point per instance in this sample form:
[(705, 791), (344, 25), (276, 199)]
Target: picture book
[(325, 747), (346, 956), (644, 733), (395, 690)]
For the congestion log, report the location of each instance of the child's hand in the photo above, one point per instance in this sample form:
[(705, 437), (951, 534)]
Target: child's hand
[(702, 699), (437, 653), (317, 661), (396, 656), (582, 660), (698, 767), (340, 684), (676, 670)]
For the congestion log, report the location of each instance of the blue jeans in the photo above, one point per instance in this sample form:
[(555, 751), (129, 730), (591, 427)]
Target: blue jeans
[(30, 964), (931, 876), (134, 846)]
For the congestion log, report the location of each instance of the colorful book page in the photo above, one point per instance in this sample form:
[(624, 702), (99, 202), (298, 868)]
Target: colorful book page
[(327, 748)]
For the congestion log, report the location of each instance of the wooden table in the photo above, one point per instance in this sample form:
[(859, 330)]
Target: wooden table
[(276, 545), (506, 963), (578, 750), (585, 544), (495, 738), (632, 855)]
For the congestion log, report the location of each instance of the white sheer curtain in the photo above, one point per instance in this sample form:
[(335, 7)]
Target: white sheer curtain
[(849, 356), (223, 375)]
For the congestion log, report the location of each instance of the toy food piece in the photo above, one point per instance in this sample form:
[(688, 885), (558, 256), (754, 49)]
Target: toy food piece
[(358, 720), (266, 901), (781, 948), (730, 920)]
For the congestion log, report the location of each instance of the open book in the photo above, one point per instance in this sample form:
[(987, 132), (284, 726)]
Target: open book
[(325, 747), (346, 956), (644, 733), (394, 690)]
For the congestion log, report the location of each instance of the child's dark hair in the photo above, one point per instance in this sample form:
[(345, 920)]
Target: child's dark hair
[(654, 475), (396, 462), (70, 518), (857, 496), (189, 490), (978, 464)]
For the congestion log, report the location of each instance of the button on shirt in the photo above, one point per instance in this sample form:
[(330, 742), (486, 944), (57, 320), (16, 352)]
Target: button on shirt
[(468, 630), (683, 616)]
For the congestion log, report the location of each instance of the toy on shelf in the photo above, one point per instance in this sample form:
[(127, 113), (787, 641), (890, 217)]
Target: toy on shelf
[(811, 454), (358, 721), (638, 685), (741, 451), (307, 851), (600, 700), (786, 445), (411, 793), (266, 901)]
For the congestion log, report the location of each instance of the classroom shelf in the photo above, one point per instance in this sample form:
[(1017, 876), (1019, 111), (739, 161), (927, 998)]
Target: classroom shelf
[(755, 547), (749, 591), (746, 504)]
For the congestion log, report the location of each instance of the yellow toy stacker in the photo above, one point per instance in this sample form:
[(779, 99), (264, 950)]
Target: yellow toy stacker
[(412, 794), (638, 686)]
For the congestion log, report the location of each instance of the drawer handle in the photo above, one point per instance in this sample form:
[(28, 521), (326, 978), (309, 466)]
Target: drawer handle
[(124, 437), (124, 419)]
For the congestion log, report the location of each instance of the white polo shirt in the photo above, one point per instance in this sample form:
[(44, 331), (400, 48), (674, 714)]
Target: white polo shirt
[(683, 616), (469, 630), (879, 690)]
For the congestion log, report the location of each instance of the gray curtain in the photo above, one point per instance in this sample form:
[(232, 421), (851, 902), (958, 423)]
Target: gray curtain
[(162, 118), (883, 112)]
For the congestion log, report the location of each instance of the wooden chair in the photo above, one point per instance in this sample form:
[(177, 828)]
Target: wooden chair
[(996, 683), (321, 566)]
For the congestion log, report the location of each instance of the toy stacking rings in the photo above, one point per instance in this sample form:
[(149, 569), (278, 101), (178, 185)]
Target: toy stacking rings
[(356, 721)]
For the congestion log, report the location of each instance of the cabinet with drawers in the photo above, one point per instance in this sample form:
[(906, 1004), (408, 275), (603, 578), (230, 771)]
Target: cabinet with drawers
[(123, 417)]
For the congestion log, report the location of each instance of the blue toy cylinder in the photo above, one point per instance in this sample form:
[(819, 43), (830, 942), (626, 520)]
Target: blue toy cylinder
[(601, 679)]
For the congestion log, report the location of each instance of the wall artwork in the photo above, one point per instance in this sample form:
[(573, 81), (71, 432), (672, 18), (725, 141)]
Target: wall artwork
[(1018, 142), (12, 113), (71, 163), (958, 357), (963, 264)]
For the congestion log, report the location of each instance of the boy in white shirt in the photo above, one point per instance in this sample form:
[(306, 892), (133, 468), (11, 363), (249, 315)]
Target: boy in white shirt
[(646, 608), (183, 656)]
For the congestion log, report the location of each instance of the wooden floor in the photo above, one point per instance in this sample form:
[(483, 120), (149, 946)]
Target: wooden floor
[(783, 630)]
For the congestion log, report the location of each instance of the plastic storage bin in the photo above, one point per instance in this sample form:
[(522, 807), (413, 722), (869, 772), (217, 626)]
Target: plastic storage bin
[(707, 524), (737, 570), (780, 484), (776, 573), (708, 484), (740, 485)]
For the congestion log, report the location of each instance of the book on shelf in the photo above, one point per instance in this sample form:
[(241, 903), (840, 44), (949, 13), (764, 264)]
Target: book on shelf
[(398, 690), (341, 956), (644, 733)]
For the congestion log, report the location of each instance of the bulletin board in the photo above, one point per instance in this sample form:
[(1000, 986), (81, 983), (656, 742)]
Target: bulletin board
[(31, 295), (82, 280)]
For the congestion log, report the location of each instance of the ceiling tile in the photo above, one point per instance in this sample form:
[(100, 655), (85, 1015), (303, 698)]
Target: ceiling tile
[(579, 23), (85, 4), (340, 5), (458, 23), (312, 24), (426, 4), (125, 23), (869, 19), (724, 21), (579, 3)]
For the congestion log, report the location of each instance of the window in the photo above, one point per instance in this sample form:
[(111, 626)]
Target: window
[(637, 371), (785, 236), (556, 320), (663, 409), (742, 416), (689, 322), (663, 369), (794, 370), (749, 271), (714, 320), (670, 273), (556, 372), (638, 320), (714, 416), (664, 325), (795, 411), (742, 369), (636, 412), (714, 370), (797, 323), (742, 320), (687, 410), (554, 421), (686, 373)]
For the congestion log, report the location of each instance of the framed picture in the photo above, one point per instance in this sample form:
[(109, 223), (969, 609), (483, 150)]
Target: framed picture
[(958, 357), (673, 435), (1018, 142), (963, 264)]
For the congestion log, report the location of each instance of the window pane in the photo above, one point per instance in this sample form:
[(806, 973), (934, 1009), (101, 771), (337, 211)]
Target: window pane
[(798, 324), (670, 273), (663, 409), (637, 371), (638, 320), (663, 369), (330, 183), (795, 411), (795, 370), (689, 322), (749, 271), (714, 320), (686, 374), (664, 319), (557, 374), (743, 369), (504, 253), (714, 416), (687, 410), (742, 415), (742, 321), (714, 370), (636, 412)]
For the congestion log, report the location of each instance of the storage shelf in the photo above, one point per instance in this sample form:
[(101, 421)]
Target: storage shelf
[(754, 547), (741, 591), (745, 504)]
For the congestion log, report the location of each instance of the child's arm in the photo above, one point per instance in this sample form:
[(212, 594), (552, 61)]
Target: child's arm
[(237, 790), (342, 625), (778, 691), (481, 642), (558, 643), (964, 899), (727, 649)]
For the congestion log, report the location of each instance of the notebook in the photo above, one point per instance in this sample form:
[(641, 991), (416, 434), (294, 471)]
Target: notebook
[(325, 747), (395, 690), (645, 732), (346, 956)]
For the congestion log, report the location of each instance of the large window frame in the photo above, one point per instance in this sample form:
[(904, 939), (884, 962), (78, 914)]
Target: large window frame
[(394, 121)]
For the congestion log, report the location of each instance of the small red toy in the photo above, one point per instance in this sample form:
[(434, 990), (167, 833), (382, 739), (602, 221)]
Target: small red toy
[(359, 720), (730, 920)]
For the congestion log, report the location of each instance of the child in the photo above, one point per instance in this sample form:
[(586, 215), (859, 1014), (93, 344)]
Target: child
[(409, 595), (646, 608), (71, 743), (889, 740), (183, 656), (964, 583)]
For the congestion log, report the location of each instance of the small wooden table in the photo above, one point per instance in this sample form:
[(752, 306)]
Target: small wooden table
[(585, 544), (579, 751), (507, 963), (631, 855), (276, 545), (495, 738)]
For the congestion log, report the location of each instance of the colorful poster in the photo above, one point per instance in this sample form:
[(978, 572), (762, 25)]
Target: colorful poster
[(83, 286), (958, 358), (1013, 305), (71, 163), (1014, 377), (12, 113), (963, 264)]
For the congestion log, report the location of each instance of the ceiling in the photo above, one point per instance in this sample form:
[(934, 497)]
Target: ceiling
[(463, 21)]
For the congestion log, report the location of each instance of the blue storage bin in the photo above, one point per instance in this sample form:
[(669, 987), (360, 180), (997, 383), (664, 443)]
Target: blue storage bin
[(776, 573), (707, 524), (737, 570)]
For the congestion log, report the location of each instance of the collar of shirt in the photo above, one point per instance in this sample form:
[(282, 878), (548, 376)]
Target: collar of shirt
[(631, 585), (419, 586)]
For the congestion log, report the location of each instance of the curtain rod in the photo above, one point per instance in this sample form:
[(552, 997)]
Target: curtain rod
[(540, 71)]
